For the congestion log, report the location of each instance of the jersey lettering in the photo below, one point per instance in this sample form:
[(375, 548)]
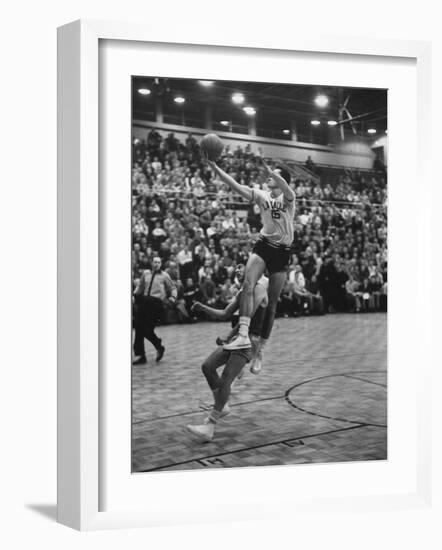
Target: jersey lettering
[(277, 217)]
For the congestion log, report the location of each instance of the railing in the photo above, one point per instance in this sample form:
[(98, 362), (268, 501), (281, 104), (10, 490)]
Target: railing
[(238, 205), (300, 170)]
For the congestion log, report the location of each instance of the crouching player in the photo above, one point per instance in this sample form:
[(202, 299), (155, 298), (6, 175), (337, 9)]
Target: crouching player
[(234, 360)]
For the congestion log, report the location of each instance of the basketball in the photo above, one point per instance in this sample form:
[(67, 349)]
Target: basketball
[(212, 145)]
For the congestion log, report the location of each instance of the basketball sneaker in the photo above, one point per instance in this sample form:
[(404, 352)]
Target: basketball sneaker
[(256, 363), (240, 342), (204, 432), (225, 412)]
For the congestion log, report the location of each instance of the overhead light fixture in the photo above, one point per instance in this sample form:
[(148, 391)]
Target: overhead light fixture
[(144, 91), (386, 131), (179, 99), (371, 131), (224, 122), (286, 132), (321, 100), (250, 111), (206, 83), (331, 122), (238, 99), (315, 122)]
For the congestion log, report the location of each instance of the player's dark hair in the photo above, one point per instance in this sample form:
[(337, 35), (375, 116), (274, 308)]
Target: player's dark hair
[(284, 173)]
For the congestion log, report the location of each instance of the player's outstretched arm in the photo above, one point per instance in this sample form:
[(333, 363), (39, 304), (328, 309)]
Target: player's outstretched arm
[(242, 190), (219, 314), (280, 181)]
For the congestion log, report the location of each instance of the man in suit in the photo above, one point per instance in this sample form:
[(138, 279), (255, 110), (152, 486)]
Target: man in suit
[(153, 291)]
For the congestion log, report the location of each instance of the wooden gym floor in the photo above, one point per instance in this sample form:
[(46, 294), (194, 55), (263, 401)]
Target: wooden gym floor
[(321, 397)]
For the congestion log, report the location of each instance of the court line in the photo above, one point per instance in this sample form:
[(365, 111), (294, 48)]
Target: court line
[(363, 380), (186, 413), (295, 406), (314, 359), (254, 447), (335, 374)]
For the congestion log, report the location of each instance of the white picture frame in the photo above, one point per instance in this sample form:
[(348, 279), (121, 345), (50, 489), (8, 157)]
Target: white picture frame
[(79, 292)]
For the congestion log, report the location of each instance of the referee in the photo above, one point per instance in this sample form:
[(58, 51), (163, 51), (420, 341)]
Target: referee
[(153, 291)]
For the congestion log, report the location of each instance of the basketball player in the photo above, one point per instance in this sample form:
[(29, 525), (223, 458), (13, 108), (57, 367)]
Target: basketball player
[(234, 360), (271, 251)]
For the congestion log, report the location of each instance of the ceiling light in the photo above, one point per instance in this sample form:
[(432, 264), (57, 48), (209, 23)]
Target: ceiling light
[(179, 99), (331, 122), (371, 131), (238, 99), (321, 100), (315, 122), (286, 132), (144, 91), (249, 111), (224, 122), (206, 83)]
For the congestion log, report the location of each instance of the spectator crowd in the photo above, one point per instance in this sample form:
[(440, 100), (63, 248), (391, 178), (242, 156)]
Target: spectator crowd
[(202, 231)]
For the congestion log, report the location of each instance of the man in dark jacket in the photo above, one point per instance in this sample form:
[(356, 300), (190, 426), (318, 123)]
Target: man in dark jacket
[(153, 291)]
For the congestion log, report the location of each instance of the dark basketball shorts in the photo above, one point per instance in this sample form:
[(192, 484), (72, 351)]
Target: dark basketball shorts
[(276, 257)]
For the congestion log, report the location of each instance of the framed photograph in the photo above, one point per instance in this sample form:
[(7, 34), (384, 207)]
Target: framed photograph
[(233, 233)]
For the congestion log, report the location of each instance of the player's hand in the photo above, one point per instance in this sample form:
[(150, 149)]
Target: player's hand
[(172, 300), (195, 307), (266, 167), (220, 341)]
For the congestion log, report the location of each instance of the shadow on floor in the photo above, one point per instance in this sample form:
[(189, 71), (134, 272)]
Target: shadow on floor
[(47, 510)]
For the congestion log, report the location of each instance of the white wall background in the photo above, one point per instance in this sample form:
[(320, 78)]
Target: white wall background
[(28, 276)]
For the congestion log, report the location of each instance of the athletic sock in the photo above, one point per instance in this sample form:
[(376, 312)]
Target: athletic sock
[(215, 392), (213, 416), (262, 343), (244, 323)]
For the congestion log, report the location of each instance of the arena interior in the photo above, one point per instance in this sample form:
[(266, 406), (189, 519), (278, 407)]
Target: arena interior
[(322, 393)]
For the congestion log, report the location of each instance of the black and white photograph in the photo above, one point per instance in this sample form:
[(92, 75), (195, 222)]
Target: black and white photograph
[(259, 274)]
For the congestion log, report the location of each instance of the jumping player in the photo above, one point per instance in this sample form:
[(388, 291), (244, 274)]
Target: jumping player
[(234, 360), (271, 251)]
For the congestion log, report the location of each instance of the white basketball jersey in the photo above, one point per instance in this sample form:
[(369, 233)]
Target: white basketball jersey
[(277, 216)]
